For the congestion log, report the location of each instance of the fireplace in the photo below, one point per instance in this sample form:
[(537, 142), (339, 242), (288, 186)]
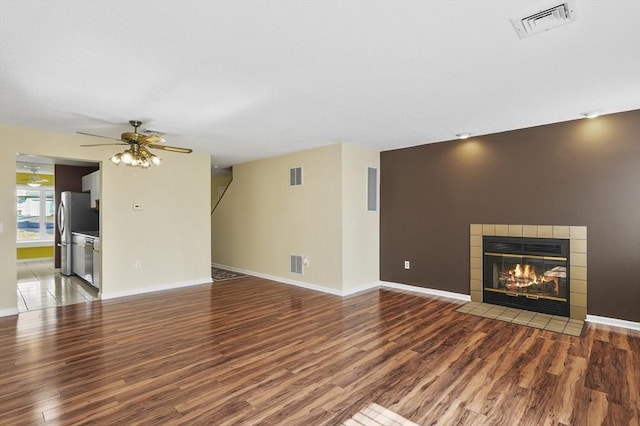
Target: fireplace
[(576, 235), (527, 273)]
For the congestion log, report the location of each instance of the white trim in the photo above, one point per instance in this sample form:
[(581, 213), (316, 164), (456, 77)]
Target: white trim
[(631, 325), (429, 291), (170, 286), (350, 291), (282, 280), (361, 288), (8, 312)]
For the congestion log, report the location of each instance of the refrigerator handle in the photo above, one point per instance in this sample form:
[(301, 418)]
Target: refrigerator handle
[(61, 218)]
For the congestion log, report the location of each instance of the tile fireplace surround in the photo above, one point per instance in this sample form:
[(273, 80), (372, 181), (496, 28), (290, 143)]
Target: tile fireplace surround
[(577, 236)]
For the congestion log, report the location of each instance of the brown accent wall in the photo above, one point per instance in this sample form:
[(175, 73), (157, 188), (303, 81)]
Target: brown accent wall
[(583, 172), (67, 178)]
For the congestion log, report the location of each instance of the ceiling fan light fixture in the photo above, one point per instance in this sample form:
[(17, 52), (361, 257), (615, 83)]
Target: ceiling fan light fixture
[(137, 155), (34, 180), (126, 157), (117, 158)]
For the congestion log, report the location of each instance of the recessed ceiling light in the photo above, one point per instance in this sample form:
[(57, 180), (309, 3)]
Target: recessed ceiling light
[(591, 114), (463, 135)]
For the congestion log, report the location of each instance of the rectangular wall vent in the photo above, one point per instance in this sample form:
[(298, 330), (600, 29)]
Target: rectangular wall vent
[(372, 186), (296, 264), (544, 20), (295, 176)]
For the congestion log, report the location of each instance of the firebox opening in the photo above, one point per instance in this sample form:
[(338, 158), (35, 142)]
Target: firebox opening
[(527, 273)]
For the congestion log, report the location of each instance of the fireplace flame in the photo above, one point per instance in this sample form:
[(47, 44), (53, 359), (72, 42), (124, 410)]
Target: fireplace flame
[(524, 276)]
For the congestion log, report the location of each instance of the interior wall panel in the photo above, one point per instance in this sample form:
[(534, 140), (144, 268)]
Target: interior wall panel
[(583, 172)]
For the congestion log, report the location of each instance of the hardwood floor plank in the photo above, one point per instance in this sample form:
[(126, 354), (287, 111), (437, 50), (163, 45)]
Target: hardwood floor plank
[(253, 351), (606, 362), (571, 381), (514, 401)]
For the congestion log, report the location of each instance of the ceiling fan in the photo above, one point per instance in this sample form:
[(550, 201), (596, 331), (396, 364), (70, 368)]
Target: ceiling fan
[(138, 154), (34, 180)]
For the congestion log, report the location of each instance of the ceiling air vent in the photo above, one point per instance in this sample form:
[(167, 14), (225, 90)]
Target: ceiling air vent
[(544, 20)]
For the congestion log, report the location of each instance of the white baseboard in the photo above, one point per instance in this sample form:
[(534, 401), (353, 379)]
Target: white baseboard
[(631, 325), (309, 286), (361, 288), (170, 286), (350, 291), (429, 291), (8, 312)]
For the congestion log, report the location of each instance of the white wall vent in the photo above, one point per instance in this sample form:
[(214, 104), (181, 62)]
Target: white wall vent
[(544, 20), (295, 176), (296, 264)]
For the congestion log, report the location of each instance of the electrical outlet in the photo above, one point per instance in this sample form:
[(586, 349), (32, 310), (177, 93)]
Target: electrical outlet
[(407, 264), (138, 264)]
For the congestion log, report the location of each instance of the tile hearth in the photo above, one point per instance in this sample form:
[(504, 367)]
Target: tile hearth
[(547, 322)]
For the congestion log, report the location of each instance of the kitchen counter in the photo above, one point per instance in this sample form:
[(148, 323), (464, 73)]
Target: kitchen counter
[(92, 234)]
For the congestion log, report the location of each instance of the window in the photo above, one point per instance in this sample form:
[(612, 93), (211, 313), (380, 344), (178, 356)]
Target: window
[(35, 209)]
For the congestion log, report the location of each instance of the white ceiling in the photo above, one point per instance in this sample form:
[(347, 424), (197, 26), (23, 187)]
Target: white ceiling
[(243, 80)]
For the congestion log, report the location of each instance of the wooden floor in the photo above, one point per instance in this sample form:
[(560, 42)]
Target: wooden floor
[(251, 351)]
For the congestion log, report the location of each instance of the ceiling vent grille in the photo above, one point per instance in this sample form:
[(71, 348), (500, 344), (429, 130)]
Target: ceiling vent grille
[(544, 20)]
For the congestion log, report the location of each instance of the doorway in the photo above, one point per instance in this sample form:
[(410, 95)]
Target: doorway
[(39, 183)]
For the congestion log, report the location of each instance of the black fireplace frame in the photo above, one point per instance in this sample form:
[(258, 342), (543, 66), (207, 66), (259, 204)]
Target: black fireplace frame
[(540, 247)]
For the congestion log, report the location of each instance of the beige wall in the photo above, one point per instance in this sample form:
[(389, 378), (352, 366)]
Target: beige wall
[(216, 182), (261, 220), (361, 228), (170, 236)]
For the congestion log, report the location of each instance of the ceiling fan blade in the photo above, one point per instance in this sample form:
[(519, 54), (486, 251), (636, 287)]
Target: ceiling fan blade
[(97, 136), (171, 148), (106, 144), (34, 179), (153, 139)]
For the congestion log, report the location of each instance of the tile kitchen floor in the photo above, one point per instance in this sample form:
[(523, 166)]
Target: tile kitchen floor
[(41, 286)]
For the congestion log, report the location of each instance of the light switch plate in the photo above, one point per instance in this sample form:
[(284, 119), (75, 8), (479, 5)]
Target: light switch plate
[(138, 206)]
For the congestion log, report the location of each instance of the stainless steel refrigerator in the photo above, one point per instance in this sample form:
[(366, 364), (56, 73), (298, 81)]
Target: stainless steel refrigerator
[(74, 215)]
